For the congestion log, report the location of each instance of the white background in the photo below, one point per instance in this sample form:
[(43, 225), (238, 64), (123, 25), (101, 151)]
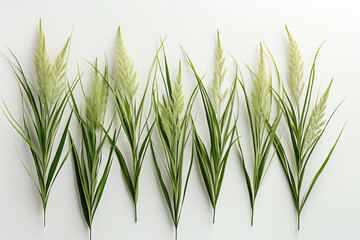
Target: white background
[(332, 210)]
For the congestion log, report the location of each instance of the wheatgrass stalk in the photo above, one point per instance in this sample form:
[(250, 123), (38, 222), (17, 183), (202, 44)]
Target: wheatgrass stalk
[(221, 127), (262, 132), (131, 118), (172, 120), (305, 130), (43, 110), (87, 161)]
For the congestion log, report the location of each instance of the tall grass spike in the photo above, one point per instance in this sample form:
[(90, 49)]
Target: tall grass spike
[(296, 70), (125, 74)]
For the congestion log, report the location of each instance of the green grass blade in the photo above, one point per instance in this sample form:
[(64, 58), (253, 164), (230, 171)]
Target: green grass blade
[(247, 178), (320, 171), (162, 184), (80, 183), (56, 158)]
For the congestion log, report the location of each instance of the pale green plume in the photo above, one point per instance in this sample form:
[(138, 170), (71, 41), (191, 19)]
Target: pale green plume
[(296, 70), (171, 111), (50, 78), (167, 119), (261, 95), (315, 120), (59, 71), (96, 103), (178, 95), (125, 73), (219, 76), (42, 65)]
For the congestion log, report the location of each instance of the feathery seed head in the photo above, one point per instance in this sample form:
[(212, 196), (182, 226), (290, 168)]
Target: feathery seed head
[(42, 65), (172, 109), (296, 70), (50, 78), (178, 98), (261, 95), (96, 103), (166, 118), (125, 75), (219, 76), (59, 71), (315, 121)]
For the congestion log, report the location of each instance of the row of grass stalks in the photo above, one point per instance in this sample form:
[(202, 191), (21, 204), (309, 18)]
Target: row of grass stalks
[(266, 108)]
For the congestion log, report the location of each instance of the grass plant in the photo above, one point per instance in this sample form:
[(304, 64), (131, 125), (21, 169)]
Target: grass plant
[(43, 111), (221, 127), (306, 125), (89, 157), (172, 118), (262, 132), (132, 120)]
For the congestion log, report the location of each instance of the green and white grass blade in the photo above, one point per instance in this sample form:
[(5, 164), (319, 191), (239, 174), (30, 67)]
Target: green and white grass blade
[(247, 178), (319, 171)]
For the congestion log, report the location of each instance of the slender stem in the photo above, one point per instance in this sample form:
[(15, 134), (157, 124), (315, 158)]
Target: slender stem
[(44, 217), (176, 235), (44, 208), (135, 213), (90, 233), (299, 190), (298, 221), (252, 216), (214, 215), (299, 205)]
